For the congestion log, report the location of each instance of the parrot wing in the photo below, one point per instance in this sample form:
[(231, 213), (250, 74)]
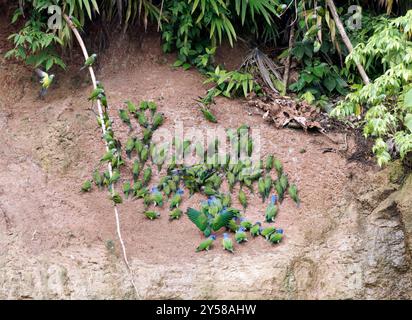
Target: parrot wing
[(198, 218), (40, 73), (222, 220)]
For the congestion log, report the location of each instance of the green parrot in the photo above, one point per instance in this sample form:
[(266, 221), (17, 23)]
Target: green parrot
[(89, 61), (45, 81), (262, 189), (137, 186), (240, 235), (131, 107), (166, 190), (158, 120), (138, 145), (142, 119), (147, 175), (116, 198), (232, 225), (231, 180), (208, 190), (276, 237), (136, 170), (205, 245), (161, 158), (142, 192), (269, 163), (245, 223), (127, 187), (267, 232), (279, 190), (144, 154), (125, 117), (176, 200), (242, 199), (152, 107), (293, 192), (205, 224), (97, 178), (226, 200), (227, 243), (115, 176), (103, 100), (268, 185), (271, 210), (147, 136), (278, 167), (256, 229), (156, 197), (97, 93), (144, 105), (130, 145), (175, 214), (283, 180), (152, 215), (147, 200), (243, 128), (87, 186), (76, 23), (209, 116)]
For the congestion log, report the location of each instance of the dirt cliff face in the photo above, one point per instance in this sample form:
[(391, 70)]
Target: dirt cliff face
[(349, 239)]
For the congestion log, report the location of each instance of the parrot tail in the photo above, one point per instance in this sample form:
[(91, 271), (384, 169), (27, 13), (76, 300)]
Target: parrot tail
[(42, 93)]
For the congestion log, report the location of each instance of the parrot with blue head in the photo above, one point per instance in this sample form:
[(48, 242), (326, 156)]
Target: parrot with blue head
[(156, 197), (176, 199), (205, 245), (267, 232), (227, 243), (245, 223), (256, 229), (276, 237), (240, 235)]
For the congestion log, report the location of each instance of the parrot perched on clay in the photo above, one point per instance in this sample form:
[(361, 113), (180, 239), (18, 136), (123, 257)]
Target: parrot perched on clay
[(256, 229), (152, 215), (271, 210), (293, 192), (267, 232), (242, 199), (205, 245), (176, 200), (175, 214), (227, 243), (240, 235), (276, 237), (156, 197)]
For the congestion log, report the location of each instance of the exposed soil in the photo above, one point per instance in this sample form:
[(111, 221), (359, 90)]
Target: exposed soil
[(50, 147)]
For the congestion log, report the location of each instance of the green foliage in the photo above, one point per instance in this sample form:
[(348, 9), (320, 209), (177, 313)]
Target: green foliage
[(232, 83), (194, 28), (35, 46), (388, 99), (319, 79)]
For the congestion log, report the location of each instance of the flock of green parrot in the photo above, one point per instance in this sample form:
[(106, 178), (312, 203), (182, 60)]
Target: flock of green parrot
[(216, 211)]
